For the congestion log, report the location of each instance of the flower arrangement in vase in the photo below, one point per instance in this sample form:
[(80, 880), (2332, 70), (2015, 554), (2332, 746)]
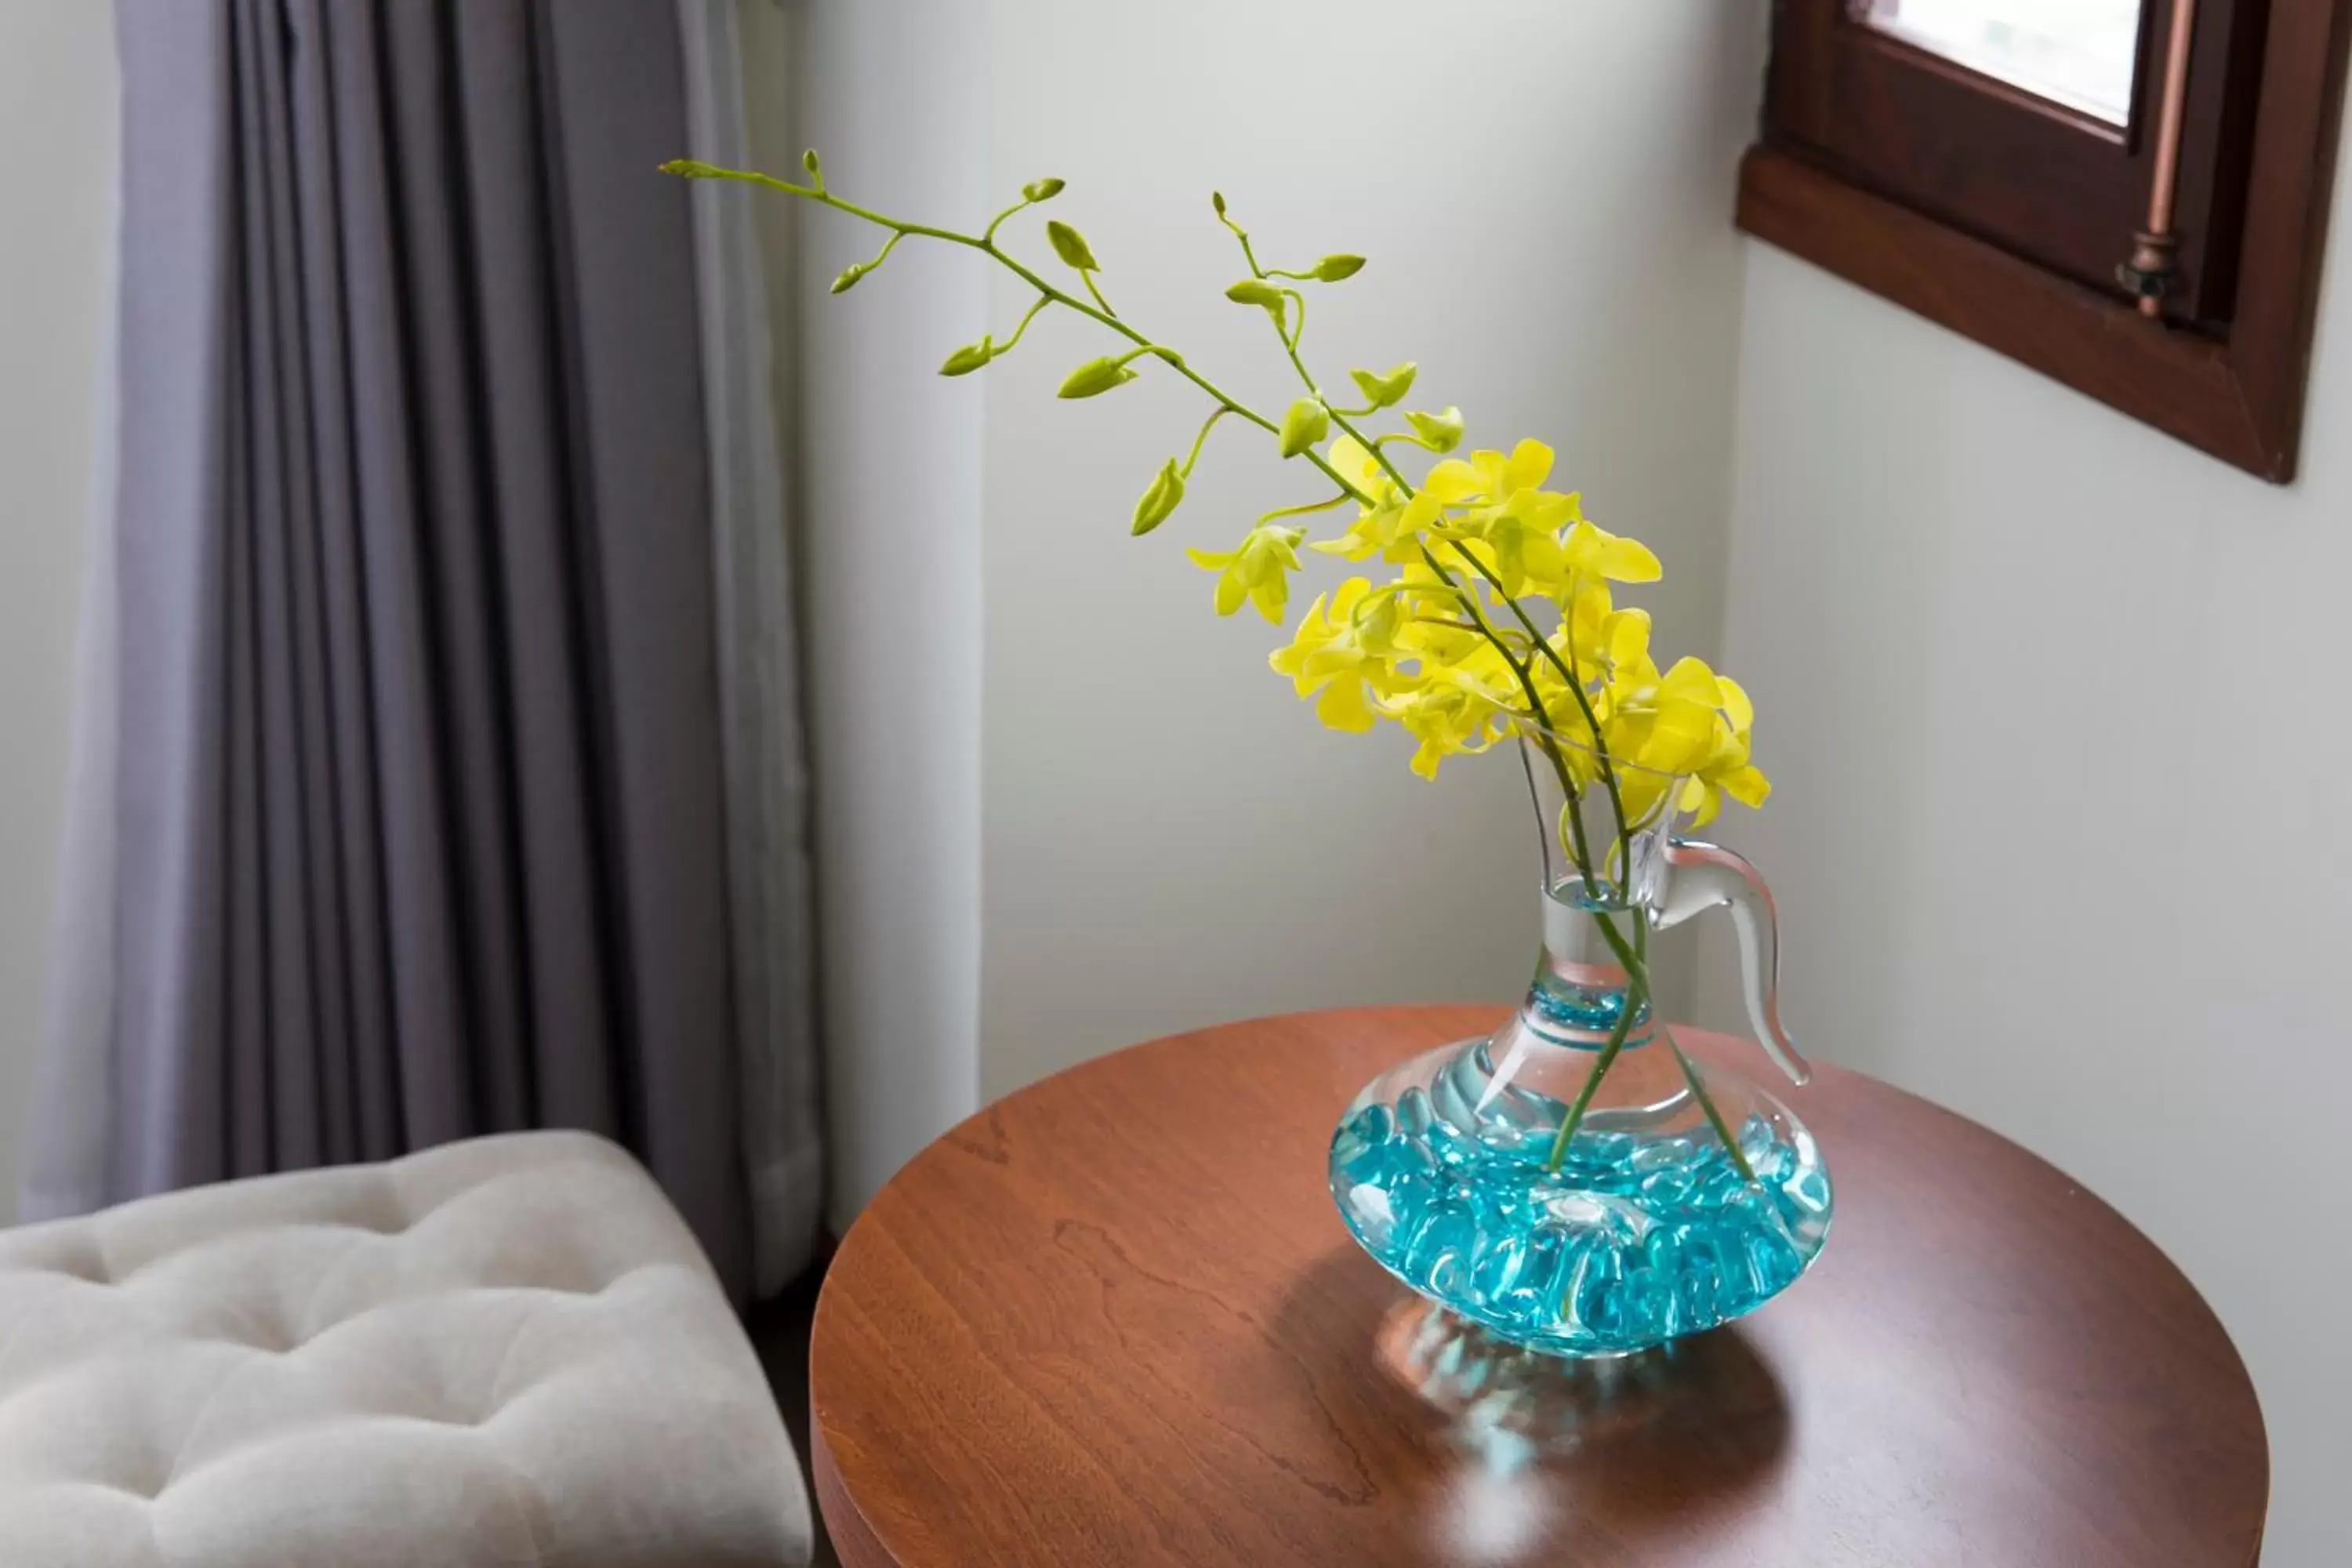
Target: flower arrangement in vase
[(1576, 1182)]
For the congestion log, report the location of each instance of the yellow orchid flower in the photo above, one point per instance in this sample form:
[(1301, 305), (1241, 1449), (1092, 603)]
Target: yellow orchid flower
[(1689, 723), (1458, 701), (1392, 525), (1591, 551), (1583, 555), (1393, 531), (1355, 463), (1522, 537), (1726, 772), (1501, 501), (1333, 654), (1448, 721), (1593, 641), (1256, 571), (1490, 477)]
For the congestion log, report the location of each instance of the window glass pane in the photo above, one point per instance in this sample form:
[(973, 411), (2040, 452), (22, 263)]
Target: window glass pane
[(2076, 52)]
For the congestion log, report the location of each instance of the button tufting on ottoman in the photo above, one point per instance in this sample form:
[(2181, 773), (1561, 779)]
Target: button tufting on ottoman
[(505, 1351)]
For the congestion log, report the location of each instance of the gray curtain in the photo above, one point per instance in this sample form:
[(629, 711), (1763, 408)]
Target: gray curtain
[(420, 800), (768, 868)]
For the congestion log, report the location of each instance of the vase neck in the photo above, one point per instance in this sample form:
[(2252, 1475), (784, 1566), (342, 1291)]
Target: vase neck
[(1580, 989)]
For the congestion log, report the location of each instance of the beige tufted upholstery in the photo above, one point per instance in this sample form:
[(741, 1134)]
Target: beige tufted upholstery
[(506, 1352)]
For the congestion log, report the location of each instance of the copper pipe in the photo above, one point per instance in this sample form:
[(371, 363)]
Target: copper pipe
[(2156, 245)]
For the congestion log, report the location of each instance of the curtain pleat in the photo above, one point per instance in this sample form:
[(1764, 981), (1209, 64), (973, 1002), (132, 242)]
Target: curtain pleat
[(767, 785)]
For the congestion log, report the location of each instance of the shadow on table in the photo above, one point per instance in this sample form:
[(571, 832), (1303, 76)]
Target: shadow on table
[(1688, 1430)]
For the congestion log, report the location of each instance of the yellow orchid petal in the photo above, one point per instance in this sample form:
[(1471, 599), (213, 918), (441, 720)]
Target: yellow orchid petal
[(1736, 708), (1642, 792), (1342, 706), (1702, 802), (1452, 481), (1625, 635), (1629, 561), (1546, 510), (1270, 594), (1746, 785), (1530, 465), (1672, 749), (1349, 456), (1690, 681)]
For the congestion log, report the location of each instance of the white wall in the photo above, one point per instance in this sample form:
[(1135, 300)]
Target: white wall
[(1169, 837), (2058, 711), (58, 97)]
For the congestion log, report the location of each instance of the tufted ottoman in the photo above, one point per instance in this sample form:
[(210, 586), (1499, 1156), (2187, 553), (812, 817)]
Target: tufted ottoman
[(505, 1351)]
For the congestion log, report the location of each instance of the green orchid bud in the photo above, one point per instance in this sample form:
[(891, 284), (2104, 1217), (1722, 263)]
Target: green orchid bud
[(1440, 432), (1387, 389), (1095, 377), (1307, 423), (1071, 247), (969, 357), (1042, 190), (815, 171), (849, 276), (1166, 492), (1332, 269), (1259, 292), (1217, 200)]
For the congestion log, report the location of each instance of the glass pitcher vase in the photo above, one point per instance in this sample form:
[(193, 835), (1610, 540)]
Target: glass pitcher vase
[(1575, 1183)]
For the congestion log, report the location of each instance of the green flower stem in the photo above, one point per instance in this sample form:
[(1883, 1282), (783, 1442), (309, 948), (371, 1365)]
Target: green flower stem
[(1202, 439), (1637, 973), (1008, 345), (987, 246), (1707, 1103), (1304, 508), (1290, 346), (987, 236), (1574, 676), (1087, 278), (1574, 679), (1600, 1066)]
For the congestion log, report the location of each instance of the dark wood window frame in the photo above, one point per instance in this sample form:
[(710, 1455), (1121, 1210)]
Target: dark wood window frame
[(2002, 217)]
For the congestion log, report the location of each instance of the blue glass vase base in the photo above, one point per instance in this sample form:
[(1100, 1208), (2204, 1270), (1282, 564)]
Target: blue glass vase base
[(1644, 1233)]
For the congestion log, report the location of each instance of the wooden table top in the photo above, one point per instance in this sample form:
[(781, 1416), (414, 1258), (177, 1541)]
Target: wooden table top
[(1114, 1319)]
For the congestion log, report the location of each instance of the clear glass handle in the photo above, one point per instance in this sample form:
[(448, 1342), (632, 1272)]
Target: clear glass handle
[(1702, 877)]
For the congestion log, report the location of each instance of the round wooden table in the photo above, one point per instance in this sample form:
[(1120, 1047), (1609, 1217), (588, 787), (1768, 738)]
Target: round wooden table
[(1114, 1319)]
